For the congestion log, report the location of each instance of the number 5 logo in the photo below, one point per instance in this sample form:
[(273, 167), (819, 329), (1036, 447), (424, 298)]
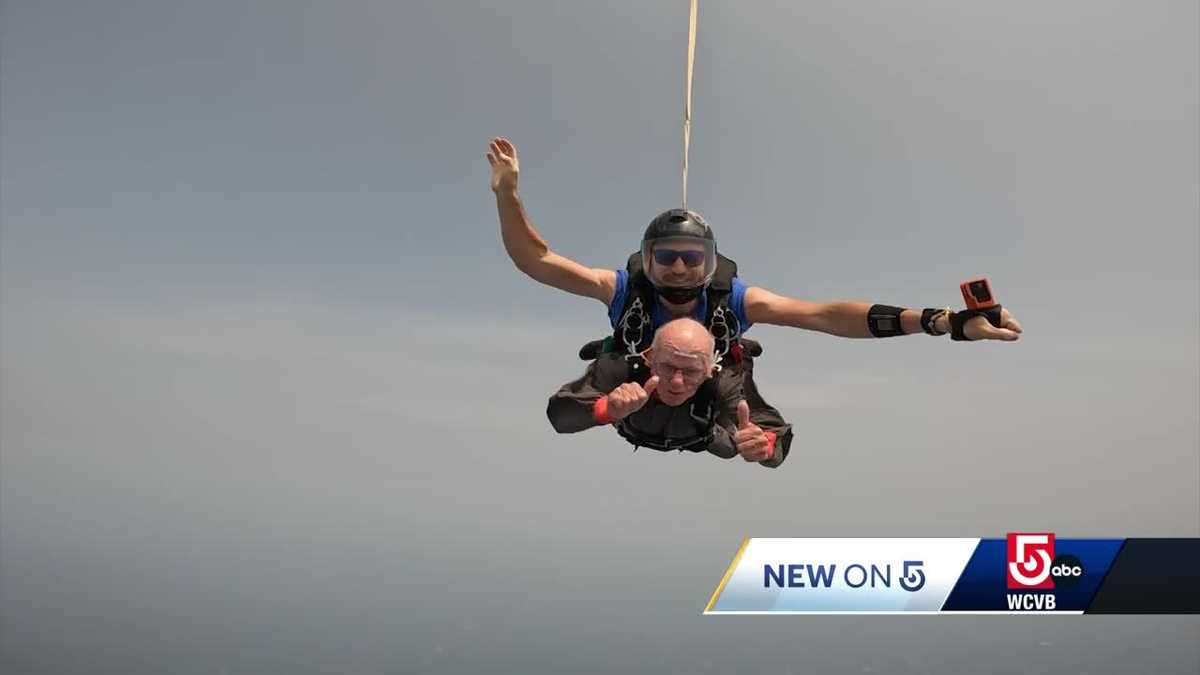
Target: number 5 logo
[(1029, 559), (913, 578)]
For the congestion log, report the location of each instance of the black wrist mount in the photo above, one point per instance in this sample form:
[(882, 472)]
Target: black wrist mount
[(959, 319)]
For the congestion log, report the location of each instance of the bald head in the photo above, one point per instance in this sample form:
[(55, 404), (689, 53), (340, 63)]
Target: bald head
[(685, 336), (682, 357)]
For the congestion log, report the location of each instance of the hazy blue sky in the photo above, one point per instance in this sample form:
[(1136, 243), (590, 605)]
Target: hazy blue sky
[(272, 396)]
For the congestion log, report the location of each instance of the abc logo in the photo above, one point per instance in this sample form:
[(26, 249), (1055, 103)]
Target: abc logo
[(1066, 571)]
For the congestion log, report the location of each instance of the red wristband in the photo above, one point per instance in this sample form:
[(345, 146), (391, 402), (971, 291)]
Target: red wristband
[(600, 411), (770, 444)]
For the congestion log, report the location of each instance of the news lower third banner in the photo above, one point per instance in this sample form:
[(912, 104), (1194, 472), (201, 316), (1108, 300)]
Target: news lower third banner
[(1023, 573)]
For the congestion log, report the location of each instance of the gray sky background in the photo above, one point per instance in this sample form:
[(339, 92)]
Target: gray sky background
[(272, 396)]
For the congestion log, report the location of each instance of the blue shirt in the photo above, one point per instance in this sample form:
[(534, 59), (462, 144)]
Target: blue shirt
[(737, 303)]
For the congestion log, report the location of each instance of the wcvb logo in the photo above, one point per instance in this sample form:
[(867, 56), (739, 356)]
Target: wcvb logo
[(1030, 557)]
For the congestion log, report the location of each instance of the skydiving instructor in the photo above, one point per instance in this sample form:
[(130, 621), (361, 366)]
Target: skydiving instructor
[(684, 267)]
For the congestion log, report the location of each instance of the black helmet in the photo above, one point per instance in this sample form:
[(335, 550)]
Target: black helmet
[(688, 229)]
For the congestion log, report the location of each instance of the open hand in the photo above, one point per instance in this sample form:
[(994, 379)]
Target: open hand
[(502, 155)]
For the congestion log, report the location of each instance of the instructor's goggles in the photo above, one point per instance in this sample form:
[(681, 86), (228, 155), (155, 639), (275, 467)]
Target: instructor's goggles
[(667, 257)]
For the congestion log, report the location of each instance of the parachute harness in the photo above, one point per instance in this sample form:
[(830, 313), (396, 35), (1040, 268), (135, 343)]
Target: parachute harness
[(724, 333), (633, 325)]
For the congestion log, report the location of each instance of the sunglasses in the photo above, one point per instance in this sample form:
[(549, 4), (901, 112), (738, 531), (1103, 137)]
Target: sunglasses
[(667, 257)]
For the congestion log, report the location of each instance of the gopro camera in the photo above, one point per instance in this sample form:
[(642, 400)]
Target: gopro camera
[(977, 294)]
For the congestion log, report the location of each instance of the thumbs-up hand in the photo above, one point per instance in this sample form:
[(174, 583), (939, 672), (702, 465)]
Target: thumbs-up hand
[(752, 442), (629, 398)]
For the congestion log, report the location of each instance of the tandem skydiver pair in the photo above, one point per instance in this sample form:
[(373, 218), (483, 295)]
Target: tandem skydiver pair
[(679, 273)]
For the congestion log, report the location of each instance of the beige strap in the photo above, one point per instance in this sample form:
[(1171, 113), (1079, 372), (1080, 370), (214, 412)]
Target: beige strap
[(687, 102)]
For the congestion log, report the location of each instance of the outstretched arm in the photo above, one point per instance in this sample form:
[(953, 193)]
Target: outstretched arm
[(849, 319), (527, 248)]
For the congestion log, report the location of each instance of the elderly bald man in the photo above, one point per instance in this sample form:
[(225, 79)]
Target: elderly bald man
[(679, 401)]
